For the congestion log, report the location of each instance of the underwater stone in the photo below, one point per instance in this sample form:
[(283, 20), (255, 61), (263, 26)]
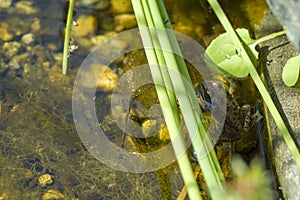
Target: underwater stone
[(95, 4), (87, 25), (10, 49), (45, 180), (13, 27), (121, 6), (108, 81), (5, 3), (28, 38), (53, 195), (107, 78), (125, 21), (35, 25), (96, 40), (4, 32), (26, 7)]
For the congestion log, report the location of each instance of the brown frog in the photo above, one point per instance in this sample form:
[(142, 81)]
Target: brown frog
[(238, 126), (239, 116)]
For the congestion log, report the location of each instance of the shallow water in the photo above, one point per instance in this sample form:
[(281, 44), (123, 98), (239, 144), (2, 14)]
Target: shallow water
[(37, 132)]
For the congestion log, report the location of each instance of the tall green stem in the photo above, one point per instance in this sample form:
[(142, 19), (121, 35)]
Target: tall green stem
[(197, 143), (168, 103), (67, 37), (149, 14)]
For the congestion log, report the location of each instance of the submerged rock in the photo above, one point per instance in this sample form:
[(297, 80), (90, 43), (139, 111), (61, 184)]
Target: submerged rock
[(121, 6), (13, 27), (87, 25), (5, 3), (26, 7), (107, 78), (125, 21), (11, 49), (28, 38), (45, 180), (95, 4), (5, 33), (53, 195)]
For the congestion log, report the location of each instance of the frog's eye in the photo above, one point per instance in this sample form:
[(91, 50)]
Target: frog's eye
[(203, 95)]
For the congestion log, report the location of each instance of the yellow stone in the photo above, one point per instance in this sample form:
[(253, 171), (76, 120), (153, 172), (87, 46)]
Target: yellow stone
[(53, 195), (4, 34), (121, 6), (106, 77), (4, 195), (87, 26), (45, 180), (125, 21)]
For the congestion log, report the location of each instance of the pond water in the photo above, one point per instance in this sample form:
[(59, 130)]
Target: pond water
[(42, 156)]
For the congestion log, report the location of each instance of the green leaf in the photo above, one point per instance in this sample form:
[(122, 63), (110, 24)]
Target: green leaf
[(290, 73), (223, 52), (244, 34)]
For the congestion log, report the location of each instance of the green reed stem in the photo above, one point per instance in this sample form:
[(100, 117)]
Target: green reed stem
[(210, 164), (67, 37), (149, 15), (168, 103)]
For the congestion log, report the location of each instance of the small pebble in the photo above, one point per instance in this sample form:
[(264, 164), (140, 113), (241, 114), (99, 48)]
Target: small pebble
[(5, 3), (96, 40), (35, 25), (28, 38), (125, 21), (4, 195), (108, 79), (121, 6), (95, 4), (4, 32), (12, 27), (146, 127), (10, 49), (53, 195), (87, 26), (26, 7), (45, 180), (15, 65)]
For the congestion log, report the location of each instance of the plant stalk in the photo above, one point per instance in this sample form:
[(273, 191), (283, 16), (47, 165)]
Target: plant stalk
[(152, 14), (67, 37)]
